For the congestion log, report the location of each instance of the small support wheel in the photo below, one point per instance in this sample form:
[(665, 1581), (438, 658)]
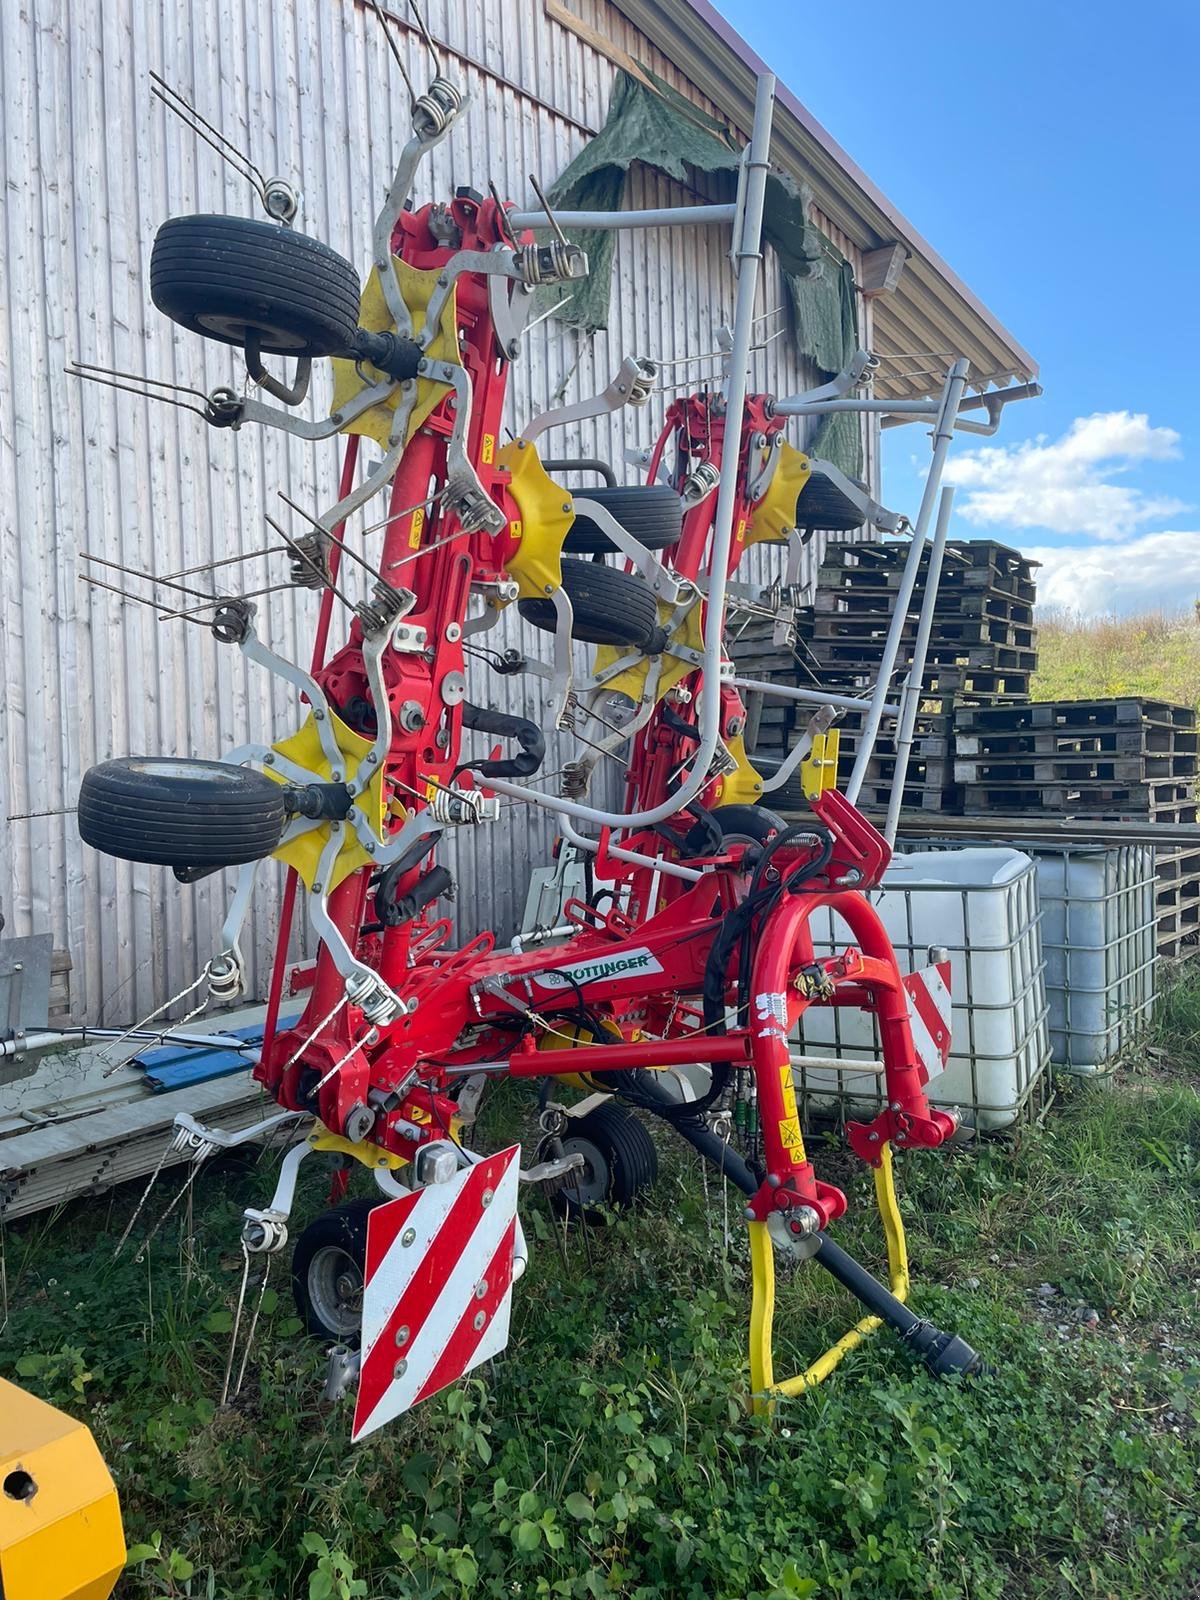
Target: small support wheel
[(609, 606), (255, 285), (327, 1272), (821, 504), (652, 513), (738, 825), (620, 1163), (179, 813)]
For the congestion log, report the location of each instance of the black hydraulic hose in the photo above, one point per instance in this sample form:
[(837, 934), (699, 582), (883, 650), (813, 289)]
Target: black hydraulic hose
[(685, 1119), (527, 734)]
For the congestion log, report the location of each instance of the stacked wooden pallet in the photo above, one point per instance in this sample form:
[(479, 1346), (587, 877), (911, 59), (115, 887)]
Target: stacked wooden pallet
[(982, 650), (1123, 759)]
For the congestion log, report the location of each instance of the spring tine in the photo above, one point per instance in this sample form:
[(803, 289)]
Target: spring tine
[(148, 577), (225, 148), (385, 24), (248, 1344), (425, 550), (176, 1143), (201, 1155), (95, 583), (546, 315), (420, 21), (237, 1323), (551, 219), (309, 561), (77, 370), (395, 516), (85, 369), (502, 215), (347, 550), (224, 561), (219, 600)]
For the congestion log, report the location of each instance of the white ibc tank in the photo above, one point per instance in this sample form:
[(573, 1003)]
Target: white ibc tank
[(1098, 938), (981, 906)]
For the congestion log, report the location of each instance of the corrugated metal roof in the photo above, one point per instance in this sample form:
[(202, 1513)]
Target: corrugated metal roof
[(932, 309)]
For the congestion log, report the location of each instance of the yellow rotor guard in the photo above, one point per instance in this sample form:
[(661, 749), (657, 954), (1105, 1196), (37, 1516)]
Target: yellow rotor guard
[(417, 288), (547, 512), (774, 516), (304, 852), (60, 1539), (764, 1389)]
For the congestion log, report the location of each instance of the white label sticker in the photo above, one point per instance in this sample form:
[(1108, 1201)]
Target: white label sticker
[(771, 1008), (604, 969)]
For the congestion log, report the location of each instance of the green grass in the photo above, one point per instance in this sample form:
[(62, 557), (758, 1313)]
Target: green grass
[(610, 1451), (1156, 656)]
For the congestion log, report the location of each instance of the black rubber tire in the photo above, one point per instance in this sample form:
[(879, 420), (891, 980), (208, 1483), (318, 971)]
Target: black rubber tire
[(229, 277), (738, 825), (340, 1229), (652, 513), (610, 1134), (180, 813), (610, 606), (821, 504), (791, 794)]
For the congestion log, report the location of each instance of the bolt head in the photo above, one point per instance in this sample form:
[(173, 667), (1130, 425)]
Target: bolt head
[(400, 1368), (479, 1320), (408, 1237), (487, 1197), (402, 1333), (268, 760), (481, 1288), (773, 1180)]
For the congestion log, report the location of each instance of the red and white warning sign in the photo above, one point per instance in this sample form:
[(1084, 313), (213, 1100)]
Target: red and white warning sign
[(437, 1287), (928, 993)]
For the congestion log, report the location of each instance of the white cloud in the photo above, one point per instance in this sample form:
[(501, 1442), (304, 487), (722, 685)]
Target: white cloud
[(1158, 571), (1065, 485)]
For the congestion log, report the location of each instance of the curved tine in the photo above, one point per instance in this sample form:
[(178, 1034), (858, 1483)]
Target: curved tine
[(212, 136), (314, 566), (551, 219), (80, 369), (148, 577), (386, 25), (347, 550), (420, 21), (138, 599)]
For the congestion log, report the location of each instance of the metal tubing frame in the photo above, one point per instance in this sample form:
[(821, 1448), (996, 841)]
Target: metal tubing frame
[(612, 221), (911, 698), (750, 257), (943, 433)]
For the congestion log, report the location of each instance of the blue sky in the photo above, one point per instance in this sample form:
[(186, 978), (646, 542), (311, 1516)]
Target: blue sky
[(1051, 154)]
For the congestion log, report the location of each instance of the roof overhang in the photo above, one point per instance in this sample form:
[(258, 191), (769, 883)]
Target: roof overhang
[(930, 311)]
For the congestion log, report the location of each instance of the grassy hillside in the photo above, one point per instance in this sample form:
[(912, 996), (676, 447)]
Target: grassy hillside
[(1156, 655)]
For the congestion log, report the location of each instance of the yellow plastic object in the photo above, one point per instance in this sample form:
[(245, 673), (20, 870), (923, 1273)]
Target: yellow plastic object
[(674, 668), (417, 288), (304, 852), (565, 1036), (819, 768), (547, 513), (762, 1306), (774, 516), (743, 787), (60, 1524)]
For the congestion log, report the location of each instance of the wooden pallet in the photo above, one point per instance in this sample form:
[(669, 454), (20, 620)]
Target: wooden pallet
[(1085, 769), (1080, 715)]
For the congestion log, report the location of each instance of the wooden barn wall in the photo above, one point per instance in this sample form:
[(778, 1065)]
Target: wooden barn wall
[(90, 165)]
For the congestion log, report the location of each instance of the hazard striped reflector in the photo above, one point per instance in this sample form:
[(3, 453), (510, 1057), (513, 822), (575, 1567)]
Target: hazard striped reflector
[(437, 1287), (928, 994)]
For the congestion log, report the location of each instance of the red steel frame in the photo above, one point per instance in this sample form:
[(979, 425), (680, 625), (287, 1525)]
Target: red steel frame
[(646, 959)]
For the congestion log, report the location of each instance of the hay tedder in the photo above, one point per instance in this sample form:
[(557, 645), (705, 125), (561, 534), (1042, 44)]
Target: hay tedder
[(672, 989)]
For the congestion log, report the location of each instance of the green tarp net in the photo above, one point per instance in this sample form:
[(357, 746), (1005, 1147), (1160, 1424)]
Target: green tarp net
[(660, 128)]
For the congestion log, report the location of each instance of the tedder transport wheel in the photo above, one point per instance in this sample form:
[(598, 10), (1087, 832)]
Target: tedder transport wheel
[(652, 513), (738, 825), (327, 1272), (180, 813), (243, 281), (821, 504), (620, 1162), (610, 607), (791, 794)]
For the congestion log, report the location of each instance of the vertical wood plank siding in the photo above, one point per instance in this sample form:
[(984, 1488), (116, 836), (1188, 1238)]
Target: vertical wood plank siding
[(91, 165)]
